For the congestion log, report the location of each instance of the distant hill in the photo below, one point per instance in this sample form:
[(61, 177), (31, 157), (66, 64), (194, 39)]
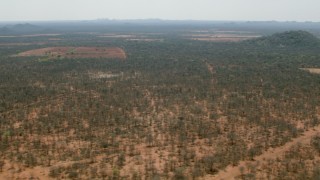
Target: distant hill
[(5, 30), (20, 28), (288, 39), (25, 28)]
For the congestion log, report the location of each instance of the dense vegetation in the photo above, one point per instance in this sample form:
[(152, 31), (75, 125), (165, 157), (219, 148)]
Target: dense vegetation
[(292, 39), (174, 108)]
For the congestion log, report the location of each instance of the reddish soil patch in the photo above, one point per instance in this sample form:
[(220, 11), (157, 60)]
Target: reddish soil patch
[(76, 52)]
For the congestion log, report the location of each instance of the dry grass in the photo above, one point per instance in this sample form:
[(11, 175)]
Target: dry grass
[(145, 40), (221, 36), (221, 39), (103, 75), (312, 70), (132, 37), (118, 36)]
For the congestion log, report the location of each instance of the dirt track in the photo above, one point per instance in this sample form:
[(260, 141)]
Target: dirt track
[(231, 172)]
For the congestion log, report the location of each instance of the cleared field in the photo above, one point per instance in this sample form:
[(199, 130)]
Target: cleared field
[(221, 37), (132, 37), (118, 36), (146, 40), (312, 70), (76, 52)]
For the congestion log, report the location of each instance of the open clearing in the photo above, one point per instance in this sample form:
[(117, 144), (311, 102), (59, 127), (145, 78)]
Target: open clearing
[(221, 37), (312, 70), (132, 37), (76, 52), (146, 40), (118, 36), (103, 75)]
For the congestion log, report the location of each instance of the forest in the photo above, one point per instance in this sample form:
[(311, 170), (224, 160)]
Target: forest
[(232, 105)]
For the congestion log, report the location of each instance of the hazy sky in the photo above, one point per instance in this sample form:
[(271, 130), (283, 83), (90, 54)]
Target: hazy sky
[(283, 10)]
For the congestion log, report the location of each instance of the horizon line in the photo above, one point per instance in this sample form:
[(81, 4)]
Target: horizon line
[(158, 19)]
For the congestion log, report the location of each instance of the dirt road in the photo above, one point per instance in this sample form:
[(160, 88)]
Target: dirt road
[(231, 172)]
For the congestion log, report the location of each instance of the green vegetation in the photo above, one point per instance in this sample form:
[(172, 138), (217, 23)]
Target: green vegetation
[(175, 108), (298, 39)]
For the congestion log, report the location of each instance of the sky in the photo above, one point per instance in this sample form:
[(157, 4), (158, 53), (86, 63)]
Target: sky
[(242, 10)]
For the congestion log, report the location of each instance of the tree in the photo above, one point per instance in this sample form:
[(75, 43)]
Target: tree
[(315, 141)]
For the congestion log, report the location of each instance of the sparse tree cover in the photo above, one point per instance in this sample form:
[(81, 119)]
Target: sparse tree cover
[(174, 109)]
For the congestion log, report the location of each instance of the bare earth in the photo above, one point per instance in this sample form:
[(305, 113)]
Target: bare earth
[(231, 172), (221, 37), (118, 36), (76, 52), (312, 70)]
